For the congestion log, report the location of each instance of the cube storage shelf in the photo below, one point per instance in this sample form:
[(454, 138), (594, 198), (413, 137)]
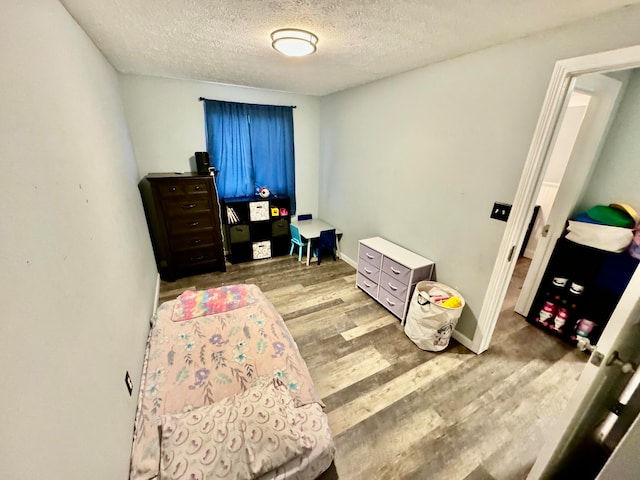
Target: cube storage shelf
[(256, 227), (601, 278)]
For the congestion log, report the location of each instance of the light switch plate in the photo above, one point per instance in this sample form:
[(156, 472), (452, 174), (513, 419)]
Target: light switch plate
[(128, 382), (501, 211)]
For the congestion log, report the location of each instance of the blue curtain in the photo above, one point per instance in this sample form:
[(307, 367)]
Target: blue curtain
[(252, 147)]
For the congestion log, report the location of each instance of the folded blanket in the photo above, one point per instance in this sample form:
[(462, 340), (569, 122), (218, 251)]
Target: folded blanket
[(193, 304)]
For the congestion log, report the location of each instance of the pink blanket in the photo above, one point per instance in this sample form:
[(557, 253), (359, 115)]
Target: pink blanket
[(200, 361)]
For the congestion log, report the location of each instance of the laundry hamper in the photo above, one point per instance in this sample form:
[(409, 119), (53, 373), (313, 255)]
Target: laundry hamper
[(429, 325)]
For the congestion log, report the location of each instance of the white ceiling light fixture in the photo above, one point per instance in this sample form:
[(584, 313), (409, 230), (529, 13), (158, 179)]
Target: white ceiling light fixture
[(294, 42)]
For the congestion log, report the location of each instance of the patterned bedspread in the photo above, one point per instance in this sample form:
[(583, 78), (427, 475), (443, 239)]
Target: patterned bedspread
[(235, 341)]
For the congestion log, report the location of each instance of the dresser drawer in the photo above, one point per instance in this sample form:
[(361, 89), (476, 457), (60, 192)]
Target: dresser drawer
[(393, 286), (181, 187), (370, 256), (367, 285), (191, 223), (391, 302), (192, 240), (186, 205), (396, 270), (369, 271), (195, 256)]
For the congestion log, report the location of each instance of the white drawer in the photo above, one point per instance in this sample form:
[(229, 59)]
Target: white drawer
[(396, 270), (369, 271), (367, 285), (393, 286), (391, 302), (369, 255)]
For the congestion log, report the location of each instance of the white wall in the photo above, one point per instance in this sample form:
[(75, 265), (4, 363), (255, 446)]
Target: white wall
[(420, 158), (167, 126), (76, 265), (616, 177)]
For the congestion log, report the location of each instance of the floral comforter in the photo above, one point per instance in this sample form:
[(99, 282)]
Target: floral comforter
[(210, 345)]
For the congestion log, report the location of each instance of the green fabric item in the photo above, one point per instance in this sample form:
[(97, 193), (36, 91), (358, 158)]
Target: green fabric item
[(610, 216)]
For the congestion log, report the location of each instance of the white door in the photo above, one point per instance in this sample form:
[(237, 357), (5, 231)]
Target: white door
[(604, 92), (558, 159), (600, 384)]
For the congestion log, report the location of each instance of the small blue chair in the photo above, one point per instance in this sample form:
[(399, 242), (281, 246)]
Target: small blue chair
[(327, 243), (296, 239), (305, 216)]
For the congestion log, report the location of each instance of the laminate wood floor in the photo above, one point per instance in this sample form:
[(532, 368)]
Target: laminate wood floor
[(397, 412)]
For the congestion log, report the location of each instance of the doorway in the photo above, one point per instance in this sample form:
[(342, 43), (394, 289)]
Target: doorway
[(579, 137), (591, 396), (577, 146), (568, 130)]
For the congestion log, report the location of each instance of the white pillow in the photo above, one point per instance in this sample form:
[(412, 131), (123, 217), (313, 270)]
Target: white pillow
[(604, 237)]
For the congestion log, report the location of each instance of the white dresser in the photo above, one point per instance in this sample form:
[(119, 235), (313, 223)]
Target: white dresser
[(389, 273)]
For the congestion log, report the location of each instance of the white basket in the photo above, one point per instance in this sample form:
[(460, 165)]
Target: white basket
[(261, 249), (428, 324), (259, 211)]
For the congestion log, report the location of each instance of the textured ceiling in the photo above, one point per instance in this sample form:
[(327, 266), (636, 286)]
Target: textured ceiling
[(227, 41)]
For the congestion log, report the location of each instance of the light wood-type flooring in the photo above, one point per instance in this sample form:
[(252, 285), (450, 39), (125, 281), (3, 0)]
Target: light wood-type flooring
[(397, 412)]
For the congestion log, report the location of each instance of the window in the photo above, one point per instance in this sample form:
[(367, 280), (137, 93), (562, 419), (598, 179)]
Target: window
[(252, 147)]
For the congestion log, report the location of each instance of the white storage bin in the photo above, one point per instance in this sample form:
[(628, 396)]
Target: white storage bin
[(258, 211), (261, 249)]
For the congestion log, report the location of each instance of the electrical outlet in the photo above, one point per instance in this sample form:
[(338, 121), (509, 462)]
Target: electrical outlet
[(501, 211), (128, 382)]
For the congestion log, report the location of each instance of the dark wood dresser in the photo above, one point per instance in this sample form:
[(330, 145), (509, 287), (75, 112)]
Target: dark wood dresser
[(183, 215)]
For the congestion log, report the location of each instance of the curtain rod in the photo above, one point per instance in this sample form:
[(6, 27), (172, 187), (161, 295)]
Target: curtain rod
[(202, 99)]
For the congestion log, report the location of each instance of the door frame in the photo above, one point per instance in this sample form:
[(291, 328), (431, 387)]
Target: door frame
[(562, 81), (605, 94)]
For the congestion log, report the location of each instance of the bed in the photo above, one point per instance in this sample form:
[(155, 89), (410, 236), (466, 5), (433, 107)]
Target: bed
[(226, 394)]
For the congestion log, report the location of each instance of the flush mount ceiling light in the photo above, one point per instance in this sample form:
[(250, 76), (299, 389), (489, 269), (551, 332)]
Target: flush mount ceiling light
[(294, 42)]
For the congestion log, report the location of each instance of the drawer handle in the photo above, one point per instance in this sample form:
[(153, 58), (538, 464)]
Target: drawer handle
[(392, 287), (393, 304), (397, 272), (367, 285), (369, 256), (197, 187), (173, 189), (188, 205), (198, 258), (193, 224), (367, 270), (195, 241)]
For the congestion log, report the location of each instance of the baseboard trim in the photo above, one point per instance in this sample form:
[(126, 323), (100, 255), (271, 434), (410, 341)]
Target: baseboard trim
[(348, 260), (156, 297), (464, 340)]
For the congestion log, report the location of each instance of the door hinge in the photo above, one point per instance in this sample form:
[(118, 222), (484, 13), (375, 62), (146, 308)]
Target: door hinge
[(545, 230), (513, 249)]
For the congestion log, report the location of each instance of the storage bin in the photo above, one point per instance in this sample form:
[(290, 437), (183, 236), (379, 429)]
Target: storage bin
[(428, 324), (259, 211), (280, 228), (261, 250), (239, 233)]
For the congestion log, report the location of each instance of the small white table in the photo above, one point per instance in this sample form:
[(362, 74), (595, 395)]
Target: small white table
[(310, 230)]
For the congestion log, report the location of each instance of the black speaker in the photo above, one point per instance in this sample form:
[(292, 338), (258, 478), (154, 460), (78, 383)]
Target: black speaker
[(202, 163)]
